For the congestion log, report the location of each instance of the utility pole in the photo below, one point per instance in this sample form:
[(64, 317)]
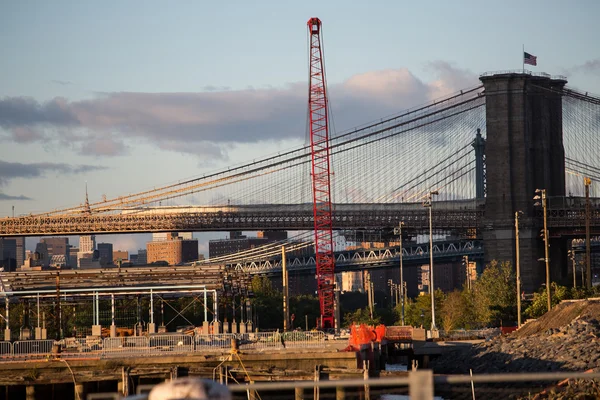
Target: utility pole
[(518, 267), (541, 195), (369, 293), (429, 204), (588, 261), (467, 272), (286, 305), (399, 233), (571, 254)]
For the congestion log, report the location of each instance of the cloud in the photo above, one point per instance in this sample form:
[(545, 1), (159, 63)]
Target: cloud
[(4, 197), (12, 170), (207, 124), (211, 88), (62, 83), (26, 112), (591, 67)]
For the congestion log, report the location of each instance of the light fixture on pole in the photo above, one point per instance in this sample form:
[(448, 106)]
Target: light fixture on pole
[(429, 204), (398, 231), (571, 256), (540, 194), (518, 266)]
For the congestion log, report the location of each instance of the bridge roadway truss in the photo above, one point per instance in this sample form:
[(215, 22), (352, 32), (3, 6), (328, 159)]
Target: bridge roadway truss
[(463, 215), (566, 216), (211, 277), (350, 260)]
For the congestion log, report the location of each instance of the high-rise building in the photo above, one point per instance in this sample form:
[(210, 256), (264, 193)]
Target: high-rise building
[(351, 281), (121, 255), (162, 236), (87, 244), (142, 257), (8, 254), (42, 254), (105, 254), (57, 246), (73, 251), (173, 251), (238, 242), (20, 251)]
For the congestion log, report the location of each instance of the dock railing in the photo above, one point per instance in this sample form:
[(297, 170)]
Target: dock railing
[(160, 344)]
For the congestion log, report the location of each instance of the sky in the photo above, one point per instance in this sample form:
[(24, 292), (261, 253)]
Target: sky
[(131, 95)]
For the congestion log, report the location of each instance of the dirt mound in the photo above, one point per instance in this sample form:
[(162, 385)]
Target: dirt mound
[(560, 316), (565, 339)]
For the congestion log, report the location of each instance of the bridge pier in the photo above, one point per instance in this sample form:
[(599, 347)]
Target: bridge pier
[(524, 152)]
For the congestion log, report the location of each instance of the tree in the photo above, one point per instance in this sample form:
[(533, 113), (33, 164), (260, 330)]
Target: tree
[(261, 286), (418, 311), (494, 295), (305, 305), (361, 316), (454, 311), (539, 305)]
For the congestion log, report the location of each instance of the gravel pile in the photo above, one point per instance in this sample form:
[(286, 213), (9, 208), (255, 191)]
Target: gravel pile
[(573, 347)]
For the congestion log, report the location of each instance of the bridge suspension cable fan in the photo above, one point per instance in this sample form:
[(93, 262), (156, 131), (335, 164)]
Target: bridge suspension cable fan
[(321, 184)]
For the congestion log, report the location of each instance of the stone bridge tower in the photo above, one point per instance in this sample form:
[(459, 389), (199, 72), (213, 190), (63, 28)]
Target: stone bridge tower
[(524, 152)]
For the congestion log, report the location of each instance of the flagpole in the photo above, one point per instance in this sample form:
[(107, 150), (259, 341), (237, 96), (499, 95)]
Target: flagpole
[(523, 58)]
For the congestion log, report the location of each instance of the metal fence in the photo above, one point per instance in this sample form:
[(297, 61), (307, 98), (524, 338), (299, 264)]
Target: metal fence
[(462, 334), (421, 384), (162, 344)]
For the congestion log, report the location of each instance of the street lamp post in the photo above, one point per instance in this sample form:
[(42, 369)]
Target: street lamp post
[(429, 203), (398, 231), (518, 266), (571, 254), (541, 195)]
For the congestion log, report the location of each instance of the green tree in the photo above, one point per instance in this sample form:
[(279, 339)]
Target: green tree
[(494, 295), (417, 311), (453, 314), (305, 307), (539, 305), (361, 316), (261, 286)]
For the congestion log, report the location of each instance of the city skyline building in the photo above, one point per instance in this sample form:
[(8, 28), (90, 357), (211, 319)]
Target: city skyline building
[(105, 254), (173, 251)]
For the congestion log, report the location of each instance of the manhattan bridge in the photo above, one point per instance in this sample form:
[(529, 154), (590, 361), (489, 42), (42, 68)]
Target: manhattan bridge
[(485, 150)]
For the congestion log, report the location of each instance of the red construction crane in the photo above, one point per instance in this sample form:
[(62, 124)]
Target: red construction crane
[(319, 144)]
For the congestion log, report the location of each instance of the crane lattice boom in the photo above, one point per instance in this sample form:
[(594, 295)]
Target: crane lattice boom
[(320, 151)]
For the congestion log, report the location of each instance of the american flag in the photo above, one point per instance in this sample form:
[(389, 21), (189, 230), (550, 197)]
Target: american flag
[(529, 59)]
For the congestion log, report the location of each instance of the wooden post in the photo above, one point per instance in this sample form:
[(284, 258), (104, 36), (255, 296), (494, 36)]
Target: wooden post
[(29, 392), (366, 378), (125, 381), (298, 393), (420, 384), (174, 373), (79, 391), (317, 379), (340, 393), (252, 394)]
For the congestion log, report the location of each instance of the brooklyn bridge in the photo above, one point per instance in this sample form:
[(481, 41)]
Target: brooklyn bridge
[(485, 150)]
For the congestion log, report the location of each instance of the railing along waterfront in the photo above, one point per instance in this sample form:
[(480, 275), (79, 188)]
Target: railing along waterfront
[(146, 346)]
